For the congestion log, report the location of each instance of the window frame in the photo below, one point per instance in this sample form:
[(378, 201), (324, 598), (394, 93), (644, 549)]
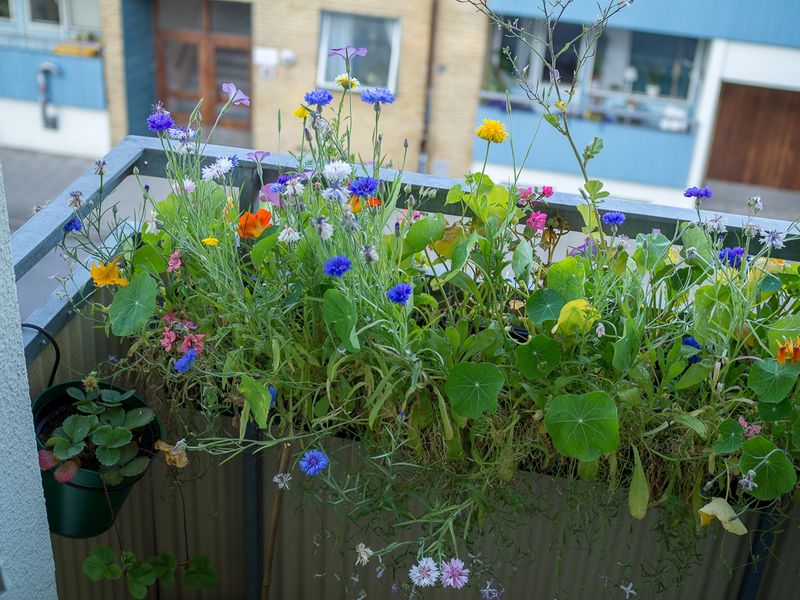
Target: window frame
[(326, 20)]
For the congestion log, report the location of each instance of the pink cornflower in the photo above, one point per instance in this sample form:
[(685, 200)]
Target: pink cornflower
[(750, 429), (415, 215), (174, 262), (424, 573), (525, 193), (192, 341), (547, 191), (168, 338), (169, 317), (536, 221), (454, 574)]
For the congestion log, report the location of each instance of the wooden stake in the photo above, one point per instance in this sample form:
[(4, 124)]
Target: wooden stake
[(273, 526)]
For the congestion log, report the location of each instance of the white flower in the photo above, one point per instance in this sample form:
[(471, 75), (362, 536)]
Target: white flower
[(774, 239), (628, 590), (335, 192), (347, 82), (294, 187), (363, 554), (337, 171), (189, 185), (218, 169), (151, 223), (715, 225), (323, 227), (288, 236), (425, 573), (752, 229), (370, 254), (282, 480), (601, 330), (75, 199)]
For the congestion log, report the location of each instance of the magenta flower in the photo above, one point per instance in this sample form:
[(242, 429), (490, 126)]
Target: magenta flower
[(547, 191), (168, 338), (750, 429), (525, 193), (347, 52), (235, 95), (453, 574), (536, 221), (174, 262)]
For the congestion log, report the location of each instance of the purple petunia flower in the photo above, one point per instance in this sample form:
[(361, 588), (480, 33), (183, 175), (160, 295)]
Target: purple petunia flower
[(235, 95), (363, 187), (614, 219), (696, 192), (337, 266), (377, 96), (314, 462), (319, 97), (689, 340), (732, 256), (160, 121), (454, 574), (74, 224), (400, 293), (185, 362), (258, 155), (347, 52)]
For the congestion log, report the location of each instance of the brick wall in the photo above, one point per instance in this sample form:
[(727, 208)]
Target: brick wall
[(114, 67)]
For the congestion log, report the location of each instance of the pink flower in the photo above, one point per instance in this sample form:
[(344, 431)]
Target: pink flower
[(415, 215), (547, 191), (525, 193), (750, 429), (193, 341), (174, 261), (169, 317), (168, 338), (235, 95), (454, 574), (536, 221), (47, 460)]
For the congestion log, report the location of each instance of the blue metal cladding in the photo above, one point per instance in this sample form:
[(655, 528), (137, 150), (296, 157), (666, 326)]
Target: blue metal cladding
[(766, 22), (140, 70), (630, 153), (79, 82)]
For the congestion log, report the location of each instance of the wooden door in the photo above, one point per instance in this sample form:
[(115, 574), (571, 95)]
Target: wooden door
[(200, 44), (757, 137)]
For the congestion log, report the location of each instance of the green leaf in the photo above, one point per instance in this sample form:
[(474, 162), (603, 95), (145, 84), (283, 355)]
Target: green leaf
[(583, 426), (639, 493), (692, 423), (102, 564), (257, 397), (771, 381), (626, 348), (138, 417), (770, 283), (341, 316), (77, 427), (422, 233), (544, 305), (696, 374), (522, 259), (589, 215), (593, 187), (64, 449), (108, 457), (140, 576), (787, 327), (775, 412), (473, 388), (164, 566), (135, 467), (149, 257), (454, 194), (460, 255), (112, 437), (538, 357), (112, 416), (133, 305), (553, 119), (592, 149), (567, 278), (694, 236), (652, 249), (200, 574), (263, 247), (76, 393), (731, 436), (775, 477)]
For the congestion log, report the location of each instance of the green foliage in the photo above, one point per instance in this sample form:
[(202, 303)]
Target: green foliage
[(538, 357), (473, 388), (257, 398), (544, 305), (583, 426), (341, 316), (771, 381), (567, 278), (133, 305), (200, 573), (775, 474), (102, 564)]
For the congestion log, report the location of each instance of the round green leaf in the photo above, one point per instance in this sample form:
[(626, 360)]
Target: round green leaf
[(775, 412), (568, 278), (544, 305), (423, 233), (771, 381), (133, 305), (473, 388), (731, 436), (583, 426), (341, 316), (775, 477), (538, 357)]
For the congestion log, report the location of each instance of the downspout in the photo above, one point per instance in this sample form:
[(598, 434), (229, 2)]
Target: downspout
[(423, 162), (49, 117)]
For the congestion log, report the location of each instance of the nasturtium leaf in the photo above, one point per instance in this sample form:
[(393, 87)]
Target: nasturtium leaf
[(257, 397), (583, 426), (473, 388), (771, 381), (587, 470), (460, 255), (454, 194), (538, 357), (341, 316), (522, 259), (423, 233), (713, 314), (150, 257), (102, 564), (453, 235), (770, 283), (576, 316), (775, 412), (627, 347), (652, 249), (639, 493), (694, 236), (263, 247), (731, 437), (544, 305), (775, 477), (568, 278), (785, 328), (133, 305)]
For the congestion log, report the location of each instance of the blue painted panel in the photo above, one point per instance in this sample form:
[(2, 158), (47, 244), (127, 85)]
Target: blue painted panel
[(140, 61), (767, 22), (631, 153), (80, 82)]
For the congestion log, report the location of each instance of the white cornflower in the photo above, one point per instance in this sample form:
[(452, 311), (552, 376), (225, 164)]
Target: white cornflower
[(282, 480), (774, 239), (323, 227), (752, 230), (715, 225), (756, 204), (288, 236), (425, 573), (337, 170), (335, 192), (747, 482), (628, 590), (370, 254), (36, 208), (601, 330), (363, 554), (151, 223), (75, 199), (218, 169), (294, 187)]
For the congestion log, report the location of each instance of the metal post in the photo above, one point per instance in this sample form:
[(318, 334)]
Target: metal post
[(253, 518)]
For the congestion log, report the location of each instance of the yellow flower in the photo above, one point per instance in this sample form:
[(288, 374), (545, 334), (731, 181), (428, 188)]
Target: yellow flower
[(302, 112), (576, 316), (561, 105), (347, 82), (719, 508), (210, 241), (107, 274), (492, 131), (175, 455)]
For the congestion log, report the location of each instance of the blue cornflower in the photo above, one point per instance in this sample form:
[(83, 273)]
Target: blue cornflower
[(696, 192), (688, 340), (613, 218), (377, 96), (314, 462), (273, 392), (732, 256), (363, 187), (277, 188), (400, 293), (234, 160), (74, 224), (337, 266), (185, 362), (319, 97), (160, 121)]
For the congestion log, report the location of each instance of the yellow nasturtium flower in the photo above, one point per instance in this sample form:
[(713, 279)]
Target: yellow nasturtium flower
[(719, 508), (576, 316), (492, 131), (109, 274)]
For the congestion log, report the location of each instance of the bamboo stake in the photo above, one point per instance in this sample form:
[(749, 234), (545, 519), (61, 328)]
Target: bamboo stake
[(273, 526)]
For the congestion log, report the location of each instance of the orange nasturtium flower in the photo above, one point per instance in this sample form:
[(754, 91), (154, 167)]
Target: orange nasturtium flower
[(252, 225), (788, 351), (175, 455), (355, 203), (107, 274)]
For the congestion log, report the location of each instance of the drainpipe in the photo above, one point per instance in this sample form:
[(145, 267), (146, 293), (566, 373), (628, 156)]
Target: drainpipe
[(49, 116), (423, 163)]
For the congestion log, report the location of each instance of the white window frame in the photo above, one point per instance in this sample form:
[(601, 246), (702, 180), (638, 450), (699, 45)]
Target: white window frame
[(23, 30), (324, 47)]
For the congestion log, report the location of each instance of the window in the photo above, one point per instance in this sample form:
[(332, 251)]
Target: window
[(5, 9), (85, 14), (45, 11), (380, 36)]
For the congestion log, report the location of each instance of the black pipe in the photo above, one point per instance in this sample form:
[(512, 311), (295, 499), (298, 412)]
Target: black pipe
[(253, 518), (56, 349)]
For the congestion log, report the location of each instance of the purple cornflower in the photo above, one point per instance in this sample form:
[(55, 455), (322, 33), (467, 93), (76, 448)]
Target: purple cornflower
[(696, 192), (615, 219), (235, 95), (400, 293), (185, 362), (689, 340), (337, 266), (747, 481), (732, 256), (454, 574), (74, 224), (319, 97), (314, 462), (347, 52), (363, 187), (160, 121), (377, 96), (100, 167)]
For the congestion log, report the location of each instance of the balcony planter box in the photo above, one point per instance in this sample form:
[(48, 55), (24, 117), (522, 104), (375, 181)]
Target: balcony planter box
[(85, 507)]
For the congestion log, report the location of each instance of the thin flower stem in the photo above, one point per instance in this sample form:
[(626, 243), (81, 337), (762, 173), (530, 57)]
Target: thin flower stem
[(273, 526)]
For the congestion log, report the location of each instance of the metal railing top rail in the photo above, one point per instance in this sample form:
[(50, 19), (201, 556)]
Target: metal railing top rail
[(40, 234)]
